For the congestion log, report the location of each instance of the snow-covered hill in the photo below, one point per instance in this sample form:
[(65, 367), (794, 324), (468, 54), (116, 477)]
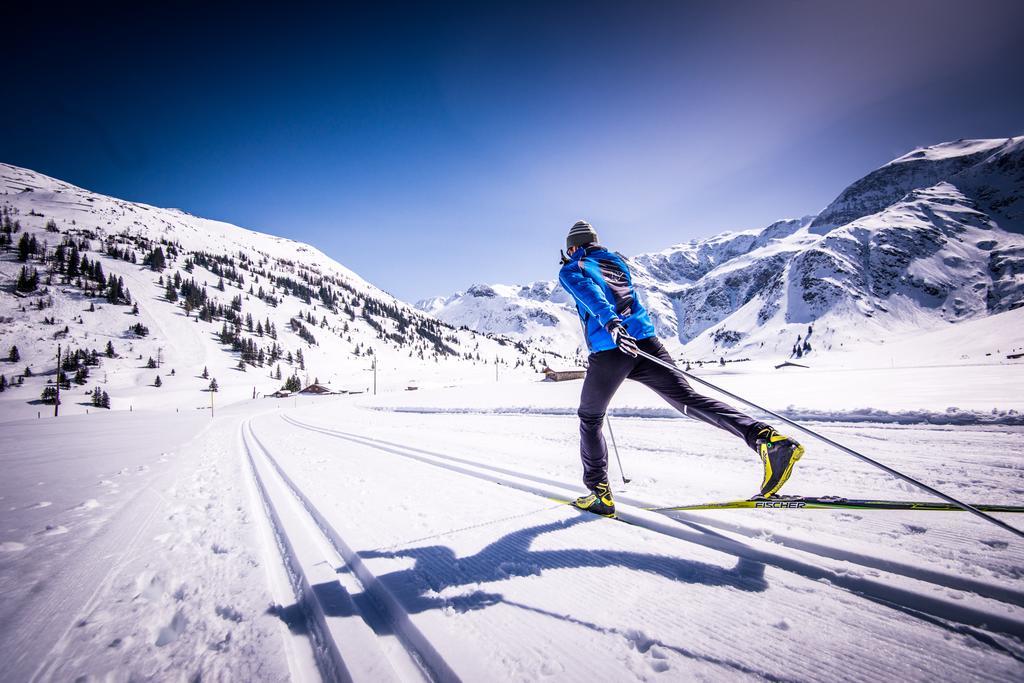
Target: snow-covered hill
[(243, 305), (540, 313), (933, 237)]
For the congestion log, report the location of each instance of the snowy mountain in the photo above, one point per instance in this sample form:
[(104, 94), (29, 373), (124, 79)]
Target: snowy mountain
[(204, 300), (932, 237), (539, 313)]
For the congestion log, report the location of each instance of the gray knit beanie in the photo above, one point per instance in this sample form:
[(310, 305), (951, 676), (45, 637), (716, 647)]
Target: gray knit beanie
[(579, 234)]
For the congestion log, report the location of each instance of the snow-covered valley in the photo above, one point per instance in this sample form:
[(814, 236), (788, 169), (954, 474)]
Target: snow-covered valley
[(390, 538), (418, 532)]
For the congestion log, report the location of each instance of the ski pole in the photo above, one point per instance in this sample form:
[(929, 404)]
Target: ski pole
[(848, 451), (608, 421)]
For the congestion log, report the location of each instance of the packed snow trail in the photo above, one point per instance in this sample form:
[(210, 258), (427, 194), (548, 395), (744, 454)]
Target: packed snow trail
[(147, 562), (639, 516), (346, 633), (637, 509), (314, 538), (496, 566)]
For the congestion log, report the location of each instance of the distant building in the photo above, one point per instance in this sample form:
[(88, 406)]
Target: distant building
[(316, 389), (562, 375), (281, 393)]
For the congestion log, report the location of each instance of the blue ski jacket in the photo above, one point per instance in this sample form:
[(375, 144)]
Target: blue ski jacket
[(600, 282)]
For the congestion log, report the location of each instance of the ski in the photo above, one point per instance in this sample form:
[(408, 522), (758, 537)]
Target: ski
[(833, 503)]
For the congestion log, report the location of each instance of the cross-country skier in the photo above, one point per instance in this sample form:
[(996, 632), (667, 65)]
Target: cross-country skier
[(616, 325)]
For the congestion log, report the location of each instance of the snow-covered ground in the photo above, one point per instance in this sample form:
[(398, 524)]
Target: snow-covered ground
[(415, 535), (423, 535)]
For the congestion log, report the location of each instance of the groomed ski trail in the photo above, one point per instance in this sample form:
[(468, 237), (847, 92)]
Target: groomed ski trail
[(983, 621), (691, 528), (349, 639)]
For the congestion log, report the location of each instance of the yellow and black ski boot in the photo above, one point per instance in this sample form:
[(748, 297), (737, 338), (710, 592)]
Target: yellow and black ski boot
[(778, 454), (599, 501)]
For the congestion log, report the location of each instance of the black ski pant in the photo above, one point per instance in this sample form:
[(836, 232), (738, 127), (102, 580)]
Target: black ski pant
[(606, 372)]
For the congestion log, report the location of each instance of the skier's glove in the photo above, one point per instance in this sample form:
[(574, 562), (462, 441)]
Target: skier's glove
[(623, 341)]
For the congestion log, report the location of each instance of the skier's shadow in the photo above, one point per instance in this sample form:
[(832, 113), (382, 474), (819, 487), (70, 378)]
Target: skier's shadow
[(437, 568)]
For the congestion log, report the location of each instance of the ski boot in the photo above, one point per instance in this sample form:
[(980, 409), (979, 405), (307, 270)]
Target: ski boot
[(778, 453), (599, 501)]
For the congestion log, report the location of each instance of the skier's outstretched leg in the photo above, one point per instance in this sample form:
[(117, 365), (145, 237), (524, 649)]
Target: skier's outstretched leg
[(778, 453)]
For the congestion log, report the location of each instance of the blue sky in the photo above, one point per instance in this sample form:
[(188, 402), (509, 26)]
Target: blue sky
[(431, 147)]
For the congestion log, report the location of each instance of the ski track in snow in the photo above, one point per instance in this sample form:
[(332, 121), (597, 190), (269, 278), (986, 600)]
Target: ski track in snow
[(550, 488), (441, 581), (339, 542), (510, 479)]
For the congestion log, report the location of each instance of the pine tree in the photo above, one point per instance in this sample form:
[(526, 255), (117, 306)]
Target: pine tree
[(171, 294), (28, 279), (206, 373), (114, 289), (155, 259), (158, 382), (277, 375), (92, 307), (151, 364), (213, 384), (241, 365), (135, 309), (105, 400), (74, 261), (110, 349), (24, 247), (3, 383), (49, 394), (14, 356)]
